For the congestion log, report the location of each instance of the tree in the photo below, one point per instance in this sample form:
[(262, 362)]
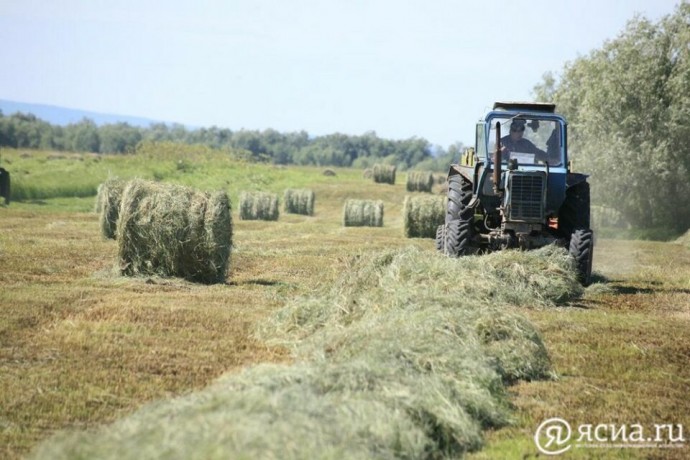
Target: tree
[(83, 136), (628, 106)]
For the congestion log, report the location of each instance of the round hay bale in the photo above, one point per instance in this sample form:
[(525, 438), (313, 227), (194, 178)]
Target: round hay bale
[(384, 174), (420, 181), (259, 206), (363, 213), (108, 206), (329, 172), (422, 215), (171, 230), (299, 201)]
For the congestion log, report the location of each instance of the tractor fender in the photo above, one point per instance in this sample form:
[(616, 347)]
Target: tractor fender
[(469, 173), (572, 179), (464, 171)]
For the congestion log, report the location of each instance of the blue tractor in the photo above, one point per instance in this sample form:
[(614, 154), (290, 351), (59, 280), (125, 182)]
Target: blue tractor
[(515, 189)]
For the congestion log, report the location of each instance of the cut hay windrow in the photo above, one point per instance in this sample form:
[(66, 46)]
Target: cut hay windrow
[(259, 206), (171, 230), (108, 206), (478, 289), (363, 213), (299, 201), (384, 174), (684, 239), (422, 215), (420, 181), (406, 355)]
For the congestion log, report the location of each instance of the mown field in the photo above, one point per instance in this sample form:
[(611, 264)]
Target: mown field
[(81, 346)]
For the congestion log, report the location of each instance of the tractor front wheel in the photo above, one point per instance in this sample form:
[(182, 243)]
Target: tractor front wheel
[(440, 237), (458, 238), (459, 197), (582, 250)]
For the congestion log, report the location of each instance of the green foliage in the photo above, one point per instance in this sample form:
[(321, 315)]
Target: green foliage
[(42, 175), (26, 131), (628, 105)]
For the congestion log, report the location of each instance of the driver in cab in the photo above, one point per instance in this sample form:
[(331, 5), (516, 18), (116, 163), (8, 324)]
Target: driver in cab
[(514, 142)]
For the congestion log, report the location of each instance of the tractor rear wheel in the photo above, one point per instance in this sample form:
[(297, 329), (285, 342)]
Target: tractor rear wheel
[(582, 249), (574, 212), (458, 238), (459, 197)]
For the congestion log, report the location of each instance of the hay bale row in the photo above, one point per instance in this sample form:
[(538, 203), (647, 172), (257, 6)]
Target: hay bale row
[(420, 181), (259, 206), (363, 213), (422, 215), (108, 206), (171, 230), (299, 201), (384, 174)]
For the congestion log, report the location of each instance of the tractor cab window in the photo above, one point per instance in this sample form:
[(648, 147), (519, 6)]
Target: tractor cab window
[(530, 141)]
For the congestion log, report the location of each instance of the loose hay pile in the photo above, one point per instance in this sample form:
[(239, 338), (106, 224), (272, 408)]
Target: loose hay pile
[(422, 215), (171, 230), (405, 356), (684, 239), (299, 201), (108, 206), (384, 174), (363, 213), (420, 181), (259, 206)]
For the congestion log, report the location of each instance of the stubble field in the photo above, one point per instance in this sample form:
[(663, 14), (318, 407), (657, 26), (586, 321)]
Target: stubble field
[(81, 346)]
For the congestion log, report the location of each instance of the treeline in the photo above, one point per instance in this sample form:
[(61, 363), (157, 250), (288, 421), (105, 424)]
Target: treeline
[(628, 106), (21, 130)]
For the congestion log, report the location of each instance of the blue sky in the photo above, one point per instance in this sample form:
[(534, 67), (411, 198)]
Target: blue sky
[(401, 68)]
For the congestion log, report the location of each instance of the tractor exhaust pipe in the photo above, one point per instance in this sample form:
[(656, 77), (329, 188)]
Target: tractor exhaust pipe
[(497, 161)]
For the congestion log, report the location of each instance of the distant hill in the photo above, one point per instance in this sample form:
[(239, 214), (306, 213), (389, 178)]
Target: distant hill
[(63, 116)]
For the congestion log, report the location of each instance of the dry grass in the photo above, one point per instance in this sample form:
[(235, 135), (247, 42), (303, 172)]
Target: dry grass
[(621, 355)]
